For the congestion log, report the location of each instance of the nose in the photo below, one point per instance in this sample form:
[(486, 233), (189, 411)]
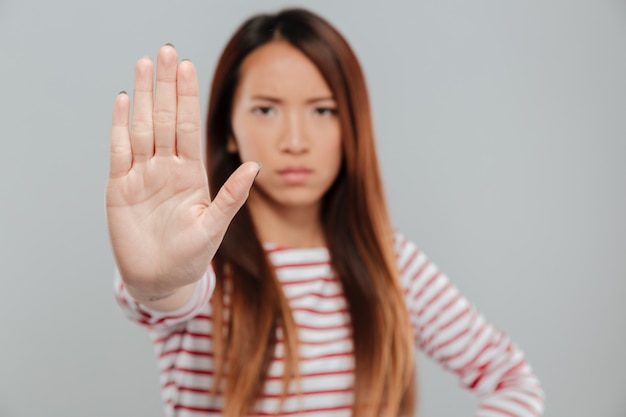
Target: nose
[(293, 138)]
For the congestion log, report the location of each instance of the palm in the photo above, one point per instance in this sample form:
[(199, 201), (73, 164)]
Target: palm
[(163, 228), (156, 214)]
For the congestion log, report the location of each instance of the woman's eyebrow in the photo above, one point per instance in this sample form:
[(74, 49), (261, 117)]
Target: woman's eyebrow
[(278, 100), (317, 99), (267, 98)]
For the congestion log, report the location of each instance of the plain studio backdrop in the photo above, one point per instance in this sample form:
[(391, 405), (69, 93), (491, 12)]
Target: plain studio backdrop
[(501, 127)]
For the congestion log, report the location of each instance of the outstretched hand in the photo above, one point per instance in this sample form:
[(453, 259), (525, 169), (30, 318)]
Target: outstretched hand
[(164, 229)]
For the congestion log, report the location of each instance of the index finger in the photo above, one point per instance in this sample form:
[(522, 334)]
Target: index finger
[(121, 157)]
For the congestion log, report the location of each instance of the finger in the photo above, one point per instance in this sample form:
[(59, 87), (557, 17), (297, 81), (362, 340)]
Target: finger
[(231, 197), (164, 116), (121, 158), (141, 133), (188, 122)]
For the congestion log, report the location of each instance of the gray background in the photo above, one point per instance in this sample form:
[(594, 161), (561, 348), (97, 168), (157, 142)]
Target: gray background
[(501, 127)]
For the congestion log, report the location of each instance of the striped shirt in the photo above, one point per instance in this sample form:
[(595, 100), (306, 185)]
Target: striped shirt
[(446, 327)]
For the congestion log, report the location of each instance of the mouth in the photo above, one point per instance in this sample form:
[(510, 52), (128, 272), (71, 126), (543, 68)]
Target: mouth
[(295, 175)]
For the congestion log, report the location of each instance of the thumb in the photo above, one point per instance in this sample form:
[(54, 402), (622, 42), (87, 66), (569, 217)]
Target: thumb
[(231, 197)]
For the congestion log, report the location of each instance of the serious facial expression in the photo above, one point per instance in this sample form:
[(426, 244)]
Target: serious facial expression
[(284, 115)]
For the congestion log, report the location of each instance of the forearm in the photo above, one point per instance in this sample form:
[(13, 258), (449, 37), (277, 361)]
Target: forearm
[(452, 332)]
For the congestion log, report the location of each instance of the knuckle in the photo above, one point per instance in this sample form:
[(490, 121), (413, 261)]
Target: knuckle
[(142, 127), (118, 150), (227, 202), (229, 198), (188, 127), (164, 117)]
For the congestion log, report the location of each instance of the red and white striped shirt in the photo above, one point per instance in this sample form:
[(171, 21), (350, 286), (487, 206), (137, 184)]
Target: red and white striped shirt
[(445, 326)]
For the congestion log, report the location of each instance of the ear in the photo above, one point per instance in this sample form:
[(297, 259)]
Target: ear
[(231, 145)]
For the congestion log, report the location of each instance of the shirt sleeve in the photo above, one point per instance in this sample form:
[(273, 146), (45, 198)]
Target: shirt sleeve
[(448, 329), (159, 320)]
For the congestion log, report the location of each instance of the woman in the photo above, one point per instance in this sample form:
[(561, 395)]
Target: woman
[(318, 303)]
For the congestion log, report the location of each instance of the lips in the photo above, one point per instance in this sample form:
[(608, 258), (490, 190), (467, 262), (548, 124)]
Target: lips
[(295, 175)]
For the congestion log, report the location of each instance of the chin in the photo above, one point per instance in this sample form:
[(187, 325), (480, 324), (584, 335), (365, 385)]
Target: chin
[(291, 198), (299, 200), (299, 203)]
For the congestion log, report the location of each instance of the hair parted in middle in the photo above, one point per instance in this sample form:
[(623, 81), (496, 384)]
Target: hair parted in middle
[(356, 226)]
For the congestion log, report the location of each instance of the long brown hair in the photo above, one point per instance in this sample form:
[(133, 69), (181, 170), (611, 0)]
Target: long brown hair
[(357, 231)]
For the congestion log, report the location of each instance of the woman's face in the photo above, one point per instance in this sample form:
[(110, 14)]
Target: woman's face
[(284, 115)]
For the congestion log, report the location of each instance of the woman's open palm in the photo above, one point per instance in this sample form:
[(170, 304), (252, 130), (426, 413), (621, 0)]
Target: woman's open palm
[(164, 229)]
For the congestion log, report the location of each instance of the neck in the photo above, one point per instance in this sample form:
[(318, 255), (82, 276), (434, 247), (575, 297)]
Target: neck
[(291, 227)]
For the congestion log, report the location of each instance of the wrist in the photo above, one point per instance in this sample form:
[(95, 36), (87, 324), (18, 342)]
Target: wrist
[(170, 300)]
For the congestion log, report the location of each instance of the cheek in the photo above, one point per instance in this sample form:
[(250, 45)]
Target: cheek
[(253, 149), (332, 155), (251, 138), (328, 135), (335, 145)]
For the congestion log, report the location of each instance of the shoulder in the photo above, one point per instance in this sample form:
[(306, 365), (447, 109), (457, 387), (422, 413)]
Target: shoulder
[(413, 265), (403, 247)]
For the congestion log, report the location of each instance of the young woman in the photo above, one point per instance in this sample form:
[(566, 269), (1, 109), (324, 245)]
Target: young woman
[(287, 292)]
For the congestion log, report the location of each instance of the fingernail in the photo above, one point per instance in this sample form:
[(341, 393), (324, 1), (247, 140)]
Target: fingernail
[(169, 44), (257, 173), (186, 59), (122, 92)]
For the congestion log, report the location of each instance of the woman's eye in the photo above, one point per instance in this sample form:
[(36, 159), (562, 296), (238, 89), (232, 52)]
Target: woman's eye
[(263, 110), (326, 111)]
